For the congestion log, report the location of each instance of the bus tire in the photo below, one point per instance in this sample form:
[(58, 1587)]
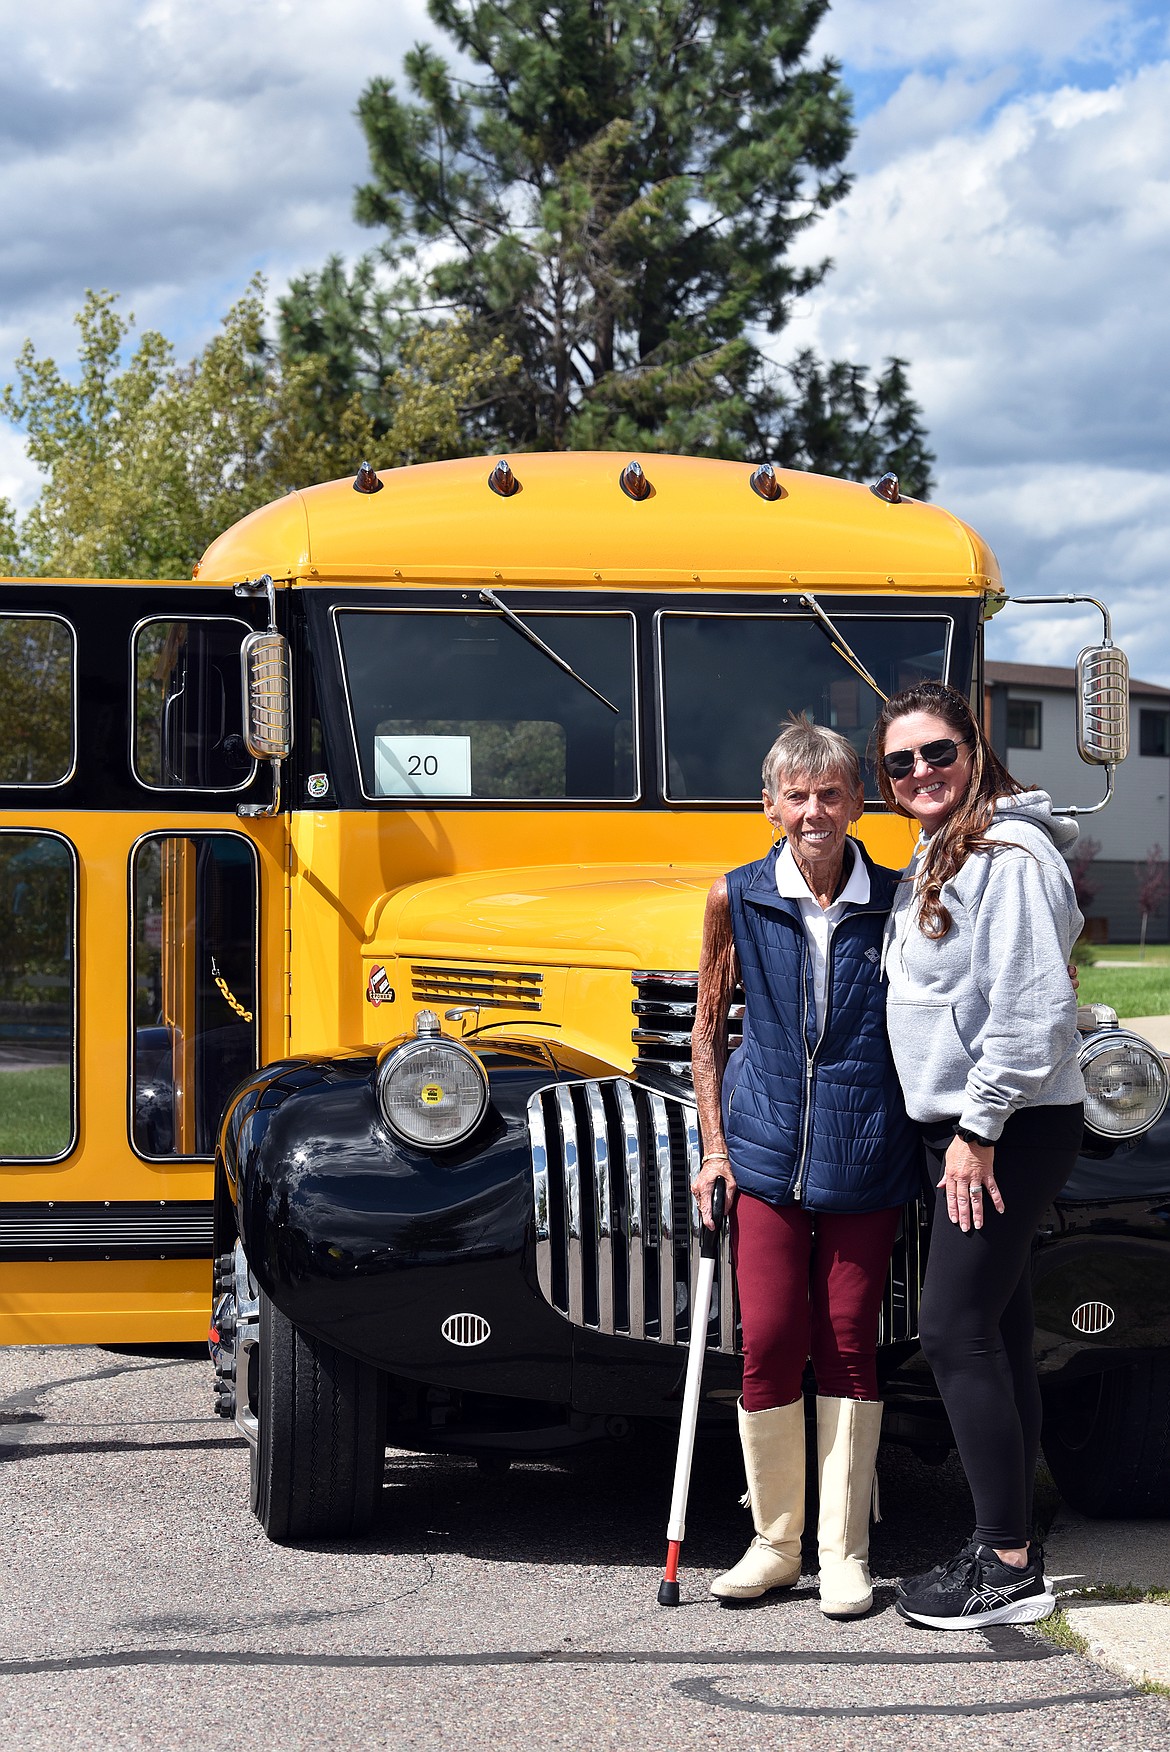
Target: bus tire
[(318, 1457), (1107, 1441)]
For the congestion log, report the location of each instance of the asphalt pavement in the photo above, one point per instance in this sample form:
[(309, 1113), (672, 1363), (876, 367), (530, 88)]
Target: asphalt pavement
[(144, 1608)]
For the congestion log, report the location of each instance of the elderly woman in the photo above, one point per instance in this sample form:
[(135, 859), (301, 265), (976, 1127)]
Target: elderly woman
[(806, 1124), (983, 1025)]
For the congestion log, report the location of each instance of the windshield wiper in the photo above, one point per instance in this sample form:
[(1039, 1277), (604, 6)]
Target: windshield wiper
[(842, 646), (514, 620)]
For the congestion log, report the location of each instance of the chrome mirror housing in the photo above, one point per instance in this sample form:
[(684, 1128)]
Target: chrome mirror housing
[(266, 675), (1102, 704)]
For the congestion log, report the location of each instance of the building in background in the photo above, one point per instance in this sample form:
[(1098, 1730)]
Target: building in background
[(1030, 717)]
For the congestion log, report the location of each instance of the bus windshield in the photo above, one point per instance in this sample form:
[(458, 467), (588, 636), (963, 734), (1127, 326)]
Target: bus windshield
[(453, 703), (730, 681)]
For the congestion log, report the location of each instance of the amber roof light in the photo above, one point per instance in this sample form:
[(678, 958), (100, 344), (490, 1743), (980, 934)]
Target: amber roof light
[(366, 480), (887, 488), (763, 481), (634, 483), (503, 481)]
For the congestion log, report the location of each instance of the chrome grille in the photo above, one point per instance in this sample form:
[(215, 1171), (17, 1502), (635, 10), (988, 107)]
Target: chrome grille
[(665, 1012), (898, 1315), (492, 988), (617, 1232)]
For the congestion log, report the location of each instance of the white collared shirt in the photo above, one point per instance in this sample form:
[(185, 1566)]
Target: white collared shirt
[(819, 923)]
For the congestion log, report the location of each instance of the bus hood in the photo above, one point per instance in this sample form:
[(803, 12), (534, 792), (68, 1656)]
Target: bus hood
[(568, 915)]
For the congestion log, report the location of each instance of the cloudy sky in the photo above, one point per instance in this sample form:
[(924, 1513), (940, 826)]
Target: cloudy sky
[(1008, 232)]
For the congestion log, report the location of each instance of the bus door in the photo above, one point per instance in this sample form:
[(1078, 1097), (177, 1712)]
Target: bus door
[(142, 936)]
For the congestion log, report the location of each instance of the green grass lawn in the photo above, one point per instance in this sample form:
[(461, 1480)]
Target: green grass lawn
[(1156, 954), (1131, 991), (34, 1111)]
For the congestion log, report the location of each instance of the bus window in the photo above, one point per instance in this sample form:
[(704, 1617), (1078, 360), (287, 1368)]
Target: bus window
[(196, 1030), (36, 700), (38, 925), (188, 706), (452, 704), (730, 681)]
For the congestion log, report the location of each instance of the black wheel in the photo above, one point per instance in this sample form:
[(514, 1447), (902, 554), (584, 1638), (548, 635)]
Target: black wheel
[(320, 1445), (1107, 1440)]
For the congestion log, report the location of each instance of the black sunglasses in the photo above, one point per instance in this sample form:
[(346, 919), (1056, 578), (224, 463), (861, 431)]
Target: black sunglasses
[(900, 764)]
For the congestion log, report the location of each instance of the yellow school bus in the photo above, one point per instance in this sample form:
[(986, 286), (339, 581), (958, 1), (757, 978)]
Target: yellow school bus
[(351, 897)]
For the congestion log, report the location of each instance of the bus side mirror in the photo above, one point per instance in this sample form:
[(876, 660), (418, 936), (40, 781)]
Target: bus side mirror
[(264, 660), (1102, 696)]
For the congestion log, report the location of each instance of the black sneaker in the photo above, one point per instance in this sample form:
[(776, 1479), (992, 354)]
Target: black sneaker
[(915, 1584), (977, 1589)]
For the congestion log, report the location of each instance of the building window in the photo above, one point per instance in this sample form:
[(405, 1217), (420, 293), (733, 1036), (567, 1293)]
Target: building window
[(1023, 723), (1154, 732)]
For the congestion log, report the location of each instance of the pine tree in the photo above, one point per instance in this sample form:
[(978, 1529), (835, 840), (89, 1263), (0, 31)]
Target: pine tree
[(615, 194)]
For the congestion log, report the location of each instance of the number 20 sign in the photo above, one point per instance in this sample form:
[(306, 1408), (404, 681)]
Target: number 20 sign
[(422, 766)]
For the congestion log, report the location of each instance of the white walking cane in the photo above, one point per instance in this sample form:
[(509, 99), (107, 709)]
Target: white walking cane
[(676, 1527)]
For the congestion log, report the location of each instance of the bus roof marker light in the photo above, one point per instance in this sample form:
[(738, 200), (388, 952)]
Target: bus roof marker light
[(503, 481), (633, 482), (763, 481), (366, 480), (888, 489)]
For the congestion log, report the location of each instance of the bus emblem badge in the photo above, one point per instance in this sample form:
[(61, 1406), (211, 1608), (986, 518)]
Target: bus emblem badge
[(378, 987), (318, 785)]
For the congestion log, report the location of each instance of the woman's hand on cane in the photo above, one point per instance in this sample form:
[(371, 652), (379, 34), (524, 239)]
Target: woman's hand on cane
[(715, 1166), (968, 1175)]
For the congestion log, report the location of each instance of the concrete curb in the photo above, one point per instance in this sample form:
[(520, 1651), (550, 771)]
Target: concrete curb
[(1130, 1638), (1133, 1640)]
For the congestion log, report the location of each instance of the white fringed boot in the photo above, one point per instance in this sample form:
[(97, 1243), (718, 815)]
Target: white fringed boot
[(848, 1431), (773, 1457)]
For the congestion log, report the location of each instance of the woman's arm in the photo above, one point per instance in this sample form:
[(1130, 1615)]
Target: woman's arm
[(1020, 949), (718, 974), (1019, 955)]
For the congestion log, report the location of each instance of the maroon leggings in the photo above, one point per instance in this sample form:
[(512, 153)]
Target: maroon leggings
[(810, 1285)]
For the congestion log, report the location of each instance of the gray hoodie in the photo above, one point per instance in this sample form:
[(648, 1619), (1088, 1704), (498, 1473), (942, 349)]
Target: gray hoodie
[(984, 1020)]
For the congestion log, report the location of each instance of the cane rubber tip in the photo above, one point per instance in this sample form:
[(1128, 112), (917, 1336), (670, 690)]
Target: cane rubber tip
[(667, 1593)]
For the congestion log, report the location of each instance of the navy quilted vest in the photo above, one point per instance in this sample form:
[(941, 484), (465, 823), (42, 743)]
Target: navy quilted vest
[(815, 1122)]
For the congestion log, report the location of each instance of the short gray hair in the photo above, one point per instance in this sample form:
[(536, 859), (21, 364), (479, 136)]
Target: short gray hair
[(809, 751)]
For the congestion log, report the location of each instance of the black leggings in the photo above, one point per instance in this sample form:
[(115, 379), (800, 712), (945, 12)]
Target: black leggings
[(976, 1320)]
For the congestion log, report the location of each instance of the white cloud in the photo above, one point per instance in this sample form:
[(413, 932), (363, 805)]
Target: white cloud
[(984, 33), (1061, 530), (166, 150), (927, 107), (19, 480), (1007, 232), (1020, 266)]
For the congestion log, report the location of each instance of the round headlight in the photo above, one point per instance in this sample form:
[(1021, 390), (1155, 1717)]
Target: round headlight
[(1126, 1086), (432, 1091)]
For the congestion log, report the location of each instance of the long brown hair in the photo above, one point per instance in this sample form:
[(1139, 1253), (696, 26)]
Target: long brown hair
[(965, 829)]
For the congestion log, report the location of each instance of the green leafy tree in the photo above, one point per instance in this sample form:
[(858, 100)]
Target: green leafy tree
[(9, 538), (145, 459), (615, 193)]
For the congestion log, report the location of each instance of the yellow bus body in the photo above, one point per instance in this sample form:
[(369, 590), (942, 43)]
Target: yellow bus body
[(583, 896)]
